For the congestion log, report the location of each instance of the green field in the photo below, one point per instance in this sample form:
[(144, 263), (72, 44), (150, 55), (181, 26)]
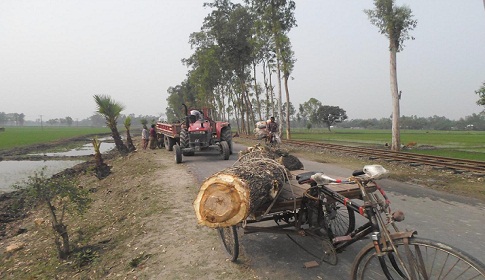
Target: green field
[(455, 144), (23, 136)]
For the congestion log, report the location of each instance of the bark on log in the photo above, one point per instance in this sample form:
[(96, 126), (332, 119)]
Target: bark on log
[(231, 195)]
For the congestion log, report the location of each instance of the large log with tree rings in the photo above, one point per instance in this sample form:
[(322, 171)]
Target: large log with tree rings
[(231, 195)]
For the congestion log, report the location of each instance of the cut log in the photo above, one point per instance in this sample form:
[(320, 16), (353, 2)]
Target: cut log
[(231, 195)]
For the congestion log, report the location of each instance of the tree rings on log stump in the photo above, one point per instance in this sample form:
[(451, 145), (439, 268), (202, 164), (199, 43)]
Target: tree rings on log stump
[(231, 195), (223, 200)]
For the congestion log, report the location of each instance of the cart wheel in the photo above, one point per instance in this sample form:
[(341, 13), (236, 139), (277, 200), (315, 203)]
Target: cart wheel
[(178, 154), (340, 219), (323, 248), (230, 241)]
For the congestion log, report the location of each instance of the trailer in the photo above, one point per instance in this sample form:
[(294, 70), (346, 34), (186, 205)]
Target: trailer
[(168, 134)]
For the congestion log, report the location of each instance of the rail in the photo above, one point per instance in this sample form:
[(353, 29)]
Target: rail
[(475, 167)]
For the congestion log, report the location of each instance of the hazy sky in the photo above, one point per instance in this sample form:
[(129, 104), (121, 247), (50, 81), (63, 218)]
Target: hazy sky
[(55, 55)]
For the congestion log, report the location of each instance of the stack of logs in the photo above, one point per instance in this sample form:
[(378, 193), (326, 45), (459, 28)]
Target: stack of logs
[(232, 194)]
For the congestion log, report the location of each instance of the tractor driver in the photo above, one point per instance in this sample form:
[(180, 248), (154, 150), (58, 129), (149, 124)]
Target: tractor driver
[(197, 114)]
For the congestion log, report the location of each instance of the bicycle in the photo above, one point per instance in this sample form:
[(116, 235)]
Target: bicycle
[(392, 254)]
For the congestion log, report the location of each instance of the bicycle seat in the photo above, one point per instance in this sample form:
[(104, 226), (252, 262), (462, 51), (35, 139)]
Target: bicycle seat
[(305, 178)]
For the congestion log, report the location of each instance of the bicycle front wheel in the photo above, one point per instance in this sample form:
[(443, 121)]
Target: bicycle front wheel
[(230, 241), (423, 259)]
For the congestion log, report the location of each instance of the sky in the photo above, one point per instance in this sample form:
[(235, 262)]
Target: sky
[(55, 55)]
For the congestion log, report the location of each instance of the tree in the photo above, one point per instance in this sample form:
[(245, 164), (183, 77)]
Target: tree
[(129, 141), (111, 110), (308, 109), (230, 27), (329, 115), (277, 18), (3, 118), (481, 93), (69, 121), (288, 63), (59, 195), (53, 121), (395, 22), (101, 170)]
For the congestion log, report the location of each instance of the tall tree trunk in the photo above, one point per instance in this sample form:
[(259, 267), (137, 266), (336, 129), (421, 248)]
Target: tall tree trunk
[(256, 91), (288, 133), (266, 88), (396, 137), (271, 90), (280, 98)]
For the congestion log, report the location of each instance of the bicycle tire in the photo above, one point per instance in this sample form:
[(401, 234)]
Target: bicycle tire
[(427, 259), (230, 241), (342, 221)]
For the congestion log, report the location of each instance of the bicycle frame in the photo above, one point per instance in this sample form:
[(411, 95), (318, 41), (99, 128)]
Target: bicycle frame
[(371, 209)]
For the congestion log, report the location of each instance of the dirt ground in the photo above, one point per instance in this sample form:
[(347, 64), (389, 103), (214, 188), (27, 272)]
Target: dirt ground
[(141, 225)]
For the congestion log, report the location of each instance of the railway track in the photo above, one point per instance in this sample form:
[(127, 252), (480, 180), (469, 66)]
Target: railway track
[(473, 167)]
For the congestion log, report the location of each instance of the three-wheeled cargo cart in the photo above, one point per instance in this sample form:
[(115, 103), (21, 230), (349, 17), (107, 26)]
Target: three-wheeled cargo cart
[(296, 212), (321, 211)]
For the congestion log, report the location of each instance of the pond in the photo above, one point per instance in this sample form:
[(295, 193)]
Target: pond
[(84, 150), (15, 172)]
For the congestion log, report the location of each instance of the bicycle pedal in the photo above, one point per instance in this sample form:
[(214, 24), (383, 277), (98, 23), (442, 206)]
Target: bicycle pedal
[(339, 239)]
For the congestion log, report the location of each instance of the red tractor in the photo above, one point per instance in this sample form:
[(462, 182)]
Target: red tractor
[(200, 133)]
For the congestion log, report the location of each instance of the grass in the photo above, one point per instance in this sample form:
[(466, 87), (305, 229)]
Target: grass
[(24, 136), (455, 144)]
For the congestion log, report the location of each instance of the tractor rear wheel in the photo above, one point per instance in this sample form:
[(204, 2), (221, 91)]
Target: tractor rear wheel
[(225, 150), (160, 141), (227, 136)]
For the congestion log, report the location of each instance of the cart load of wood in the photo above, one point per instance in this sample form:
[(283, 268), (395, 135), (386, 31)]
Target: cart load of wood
[(231, 195), (282, 156)]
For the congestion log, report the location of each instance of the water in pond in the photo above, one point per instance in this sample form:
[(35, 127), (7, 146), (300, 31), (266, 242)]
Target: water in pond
[(12, 172), (85, 150)]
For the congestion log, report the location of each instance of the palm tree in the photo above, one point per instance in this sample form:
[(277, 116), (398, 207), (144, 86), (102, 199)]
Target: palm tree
[(101, 170), (129, 141), (111, 110), (395, 22)]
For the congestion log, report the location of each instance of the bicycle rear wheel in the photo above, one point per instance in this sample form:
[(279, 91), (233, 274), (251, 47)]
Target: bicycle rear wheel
[(340, 219), (425, 259)]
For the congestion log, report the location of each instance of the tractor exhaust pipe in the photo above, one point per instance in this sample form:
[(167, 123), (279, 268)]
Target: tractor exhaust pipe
[(186, 115)]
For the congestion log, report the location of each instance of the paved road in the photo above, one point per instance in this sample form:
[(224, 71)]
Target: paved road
[(435, 215)]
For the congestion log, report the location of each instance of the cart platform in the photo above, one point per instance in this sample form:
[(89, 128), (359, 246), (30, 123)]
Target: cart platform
[(292, 193)]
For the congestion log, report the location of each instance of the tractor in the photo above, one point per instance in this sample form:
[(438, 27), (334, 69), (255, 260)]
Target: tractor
[(200, 132)]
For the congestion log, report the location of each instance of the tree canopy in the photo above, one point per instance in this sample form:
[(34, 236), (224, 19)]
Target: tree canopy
[(234, 44), (329, 115), (481, 95)]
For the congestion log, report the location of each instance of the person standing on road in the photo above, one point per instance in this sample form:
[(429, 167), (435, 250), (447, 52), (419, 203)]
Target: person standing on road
[(272, 128), (144, 137), (153, 137)]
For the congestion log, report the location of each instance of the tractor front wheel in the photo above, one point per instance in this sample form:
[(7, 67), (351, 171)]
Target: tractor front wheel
[(225, 150), (178, 154), (184, 138), (227, 136)]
